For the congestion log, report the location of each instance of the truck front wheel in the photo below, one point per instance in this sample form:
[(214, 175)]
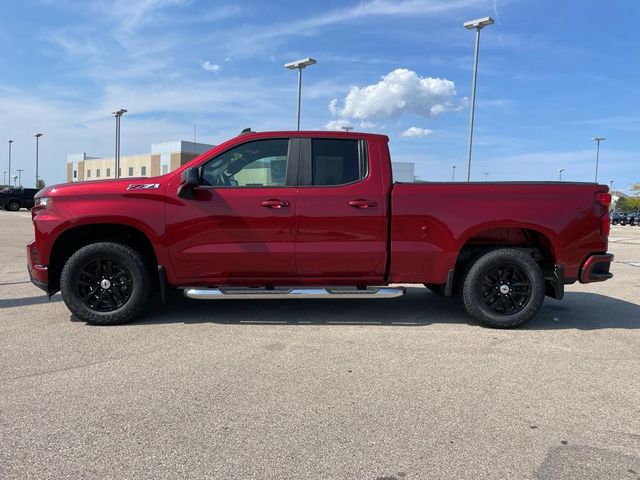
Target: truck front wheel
[(504, 288), (106, 283), (13, 206)]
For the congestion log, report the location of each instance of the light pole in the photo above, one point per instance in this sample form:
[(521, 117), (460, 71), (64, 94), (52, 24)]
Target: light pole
[(19, 170), (4, 178), (613, 204), (478, 24), (598, 140), (118, 114), (10, 142), (37, 135), (15, 180), (560, 170), (453, 173), (486, 174), (299, 65)]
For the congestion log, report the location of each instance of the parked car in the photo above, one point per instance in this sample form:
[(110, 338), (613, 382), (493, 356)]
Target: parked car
[(625, 218), (314, 214), (14, 199)]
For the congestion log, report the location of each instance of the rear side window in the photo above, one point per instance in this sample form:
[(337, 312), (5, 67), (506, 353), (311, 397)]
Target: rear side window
[(337, 162)]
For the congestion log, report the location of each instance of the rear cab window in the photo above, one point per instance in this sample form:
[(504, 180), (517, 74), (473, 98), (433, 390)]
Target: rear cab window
[(335, 162)]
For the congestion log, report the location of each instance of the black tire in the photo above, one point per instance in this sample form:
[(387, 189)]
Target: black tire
[(13, 206), (437, 289), (125, 294), (614, 222), (504, 288)]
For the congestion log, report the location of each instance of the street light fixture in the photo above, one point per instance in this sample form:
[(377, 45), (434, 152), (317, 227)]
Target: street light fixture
[(453, 173), (477, 24), (10, 142), (118, 114), (560, 170), (299, 65), (598, 140), (486, 174), (37, 135), (346, 128)]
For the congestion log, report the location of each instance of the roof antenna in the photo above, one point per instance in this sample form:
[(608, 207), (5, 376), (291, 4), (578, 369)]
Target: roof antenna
[(246, 130)]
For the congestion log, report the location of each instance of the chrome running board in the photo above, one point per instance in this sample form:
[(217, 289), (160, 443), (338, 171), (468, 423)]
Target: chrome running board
[(283, 292)]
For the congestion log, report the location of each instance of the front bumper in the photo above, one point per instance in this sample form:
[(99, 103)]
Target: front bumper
[(39, 274), (596, 268)]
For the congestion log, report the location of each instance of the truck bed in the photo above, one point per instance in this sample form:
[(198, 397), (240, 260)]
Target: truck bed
[(432, 222)]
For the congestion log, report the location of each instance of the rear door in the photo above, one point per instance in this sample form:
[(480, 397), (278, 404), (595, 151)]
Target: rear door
[(341, 213)]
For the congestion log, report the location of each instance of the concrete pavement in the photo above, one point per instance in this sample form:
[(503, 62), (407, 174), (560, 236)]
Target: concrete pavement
[(408, 388)]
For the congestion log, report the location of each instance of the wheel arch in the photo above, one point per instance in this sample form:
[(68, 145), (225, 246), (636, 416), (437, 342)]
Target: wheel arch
[(77, 237), (511, 235), (483, 238)]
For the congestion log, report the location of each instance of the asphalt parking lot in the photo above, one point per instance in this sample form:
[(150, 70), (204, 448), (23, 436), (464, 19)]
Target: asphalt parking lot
[(407, 388)]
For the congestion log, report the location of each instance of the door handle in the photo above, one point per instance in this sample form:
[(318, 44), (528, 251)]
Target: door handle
[(360, 203), (274, 203)]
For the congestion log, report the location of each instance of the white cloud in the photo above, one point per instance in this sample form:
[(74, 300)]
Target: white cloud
[(400, 91), (208, 66), (338, 124), (342, 122), (417, 132)]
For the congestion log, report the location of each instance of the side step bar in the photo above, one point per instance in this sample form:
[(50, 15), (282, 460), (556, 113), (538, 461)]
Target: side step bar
[(304, 292)]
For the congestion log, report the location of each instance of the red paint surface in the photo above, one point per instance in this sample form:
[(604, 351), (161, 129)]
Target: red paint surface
[(368, 232)]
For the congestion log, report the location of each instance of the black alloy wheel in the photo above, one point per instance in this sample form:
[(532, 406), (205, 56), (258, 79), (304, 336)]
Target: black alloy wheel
[(104, 285), (505, 289)]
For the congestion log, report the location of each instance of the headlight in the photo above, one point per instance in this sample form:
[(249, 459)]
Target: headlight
[(44, 202)]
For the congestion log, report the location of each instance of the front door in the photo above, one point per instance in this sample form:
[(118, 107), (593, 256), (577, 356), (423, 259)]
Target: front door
[(239, 225)]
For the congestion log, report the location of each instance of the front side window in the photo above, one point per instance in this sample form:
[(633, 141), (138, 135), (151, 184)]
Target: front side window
[(337, 162), (261, 163)]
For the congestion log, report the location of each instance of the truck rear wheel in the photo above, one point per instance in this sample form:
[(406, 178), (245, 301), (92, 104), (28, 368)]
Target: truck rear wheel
[(504, 288), (106, 283), (13, 206)]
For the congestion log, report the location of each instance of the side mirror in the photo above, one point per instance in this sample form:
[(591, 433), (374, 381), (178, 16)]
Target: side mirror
[(190, 180)]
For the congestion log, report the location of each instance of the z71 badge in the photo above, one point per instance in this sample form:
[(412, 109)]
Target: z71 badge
[(143, 186)]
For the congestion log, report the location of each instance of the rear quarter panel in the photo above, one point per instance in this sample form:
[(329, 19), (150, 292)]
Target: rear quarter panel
[(431, 222)]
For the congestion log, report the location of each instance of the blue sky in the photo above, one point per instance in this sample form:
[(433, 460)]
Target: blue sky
[(551, 76)]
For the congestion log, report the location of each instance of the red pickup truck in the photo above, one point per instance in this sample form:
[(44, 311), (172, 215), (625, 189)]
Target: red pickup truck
[(314, 214)]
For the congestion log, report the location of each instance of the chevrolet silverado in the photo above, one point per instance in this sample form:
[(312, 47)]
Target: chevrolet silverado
[(314, 214)]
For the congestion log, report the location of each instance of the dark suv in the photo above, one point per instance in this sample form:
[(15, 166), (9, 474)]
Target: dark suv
[(625, 218), (14, 199)]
